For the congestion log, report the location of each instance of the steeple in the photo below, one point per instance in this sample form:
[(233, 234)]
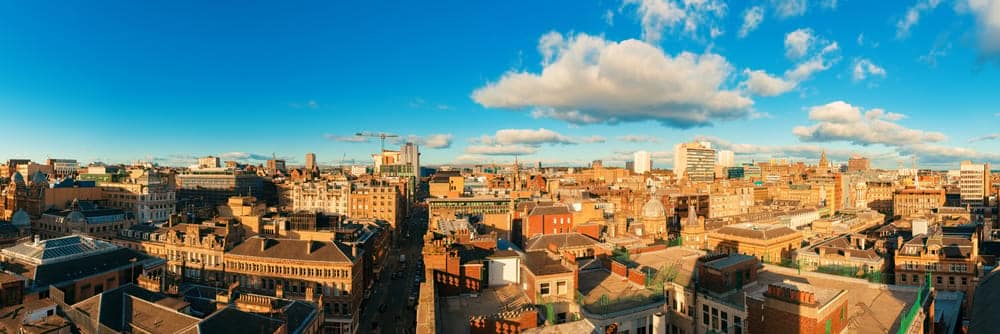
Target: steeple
[(822, 159)]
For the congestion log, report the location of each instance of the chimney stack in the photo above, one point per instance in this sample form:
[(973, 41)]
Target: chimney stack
[(309, 246)]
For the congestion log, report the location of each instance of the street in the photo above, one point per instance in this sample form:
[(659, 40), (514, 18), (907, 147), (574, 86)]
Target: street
[(398, 317)]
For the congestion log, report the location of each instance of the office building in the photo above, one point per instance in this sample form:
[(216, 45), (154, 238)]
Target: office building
[(146, 196), (311, 162), (275, 166), (63, 167), (208, 162), (974, 183), (858, 163), (913, 202), (211, 187), (726, 158), (323, 196), (642, 163), (694, 161)]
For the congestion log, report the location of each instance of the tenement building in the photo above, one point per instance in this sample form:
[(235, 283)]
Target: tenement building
[(377, 202), (910, 202), (770, 243), (82, 217), (146, 196), (194, 252), (303, 269), (322, 196), (951, 259)]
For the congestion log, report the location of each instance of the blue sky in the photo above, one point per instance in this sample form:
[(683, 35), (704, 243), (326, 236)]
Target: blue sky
[(563, 82)]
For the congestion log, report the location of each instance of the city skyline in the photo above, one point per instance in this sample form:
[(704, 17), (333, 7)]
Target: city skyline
[(547, 82)]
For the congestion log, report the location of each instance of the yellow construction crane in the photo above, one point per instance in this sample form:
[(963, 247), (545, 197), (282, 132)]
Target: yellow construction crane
[(380, 135)]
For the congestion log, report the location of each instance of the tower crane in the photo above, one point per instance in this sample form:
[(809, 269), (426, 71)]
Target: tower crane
[(380, 135)]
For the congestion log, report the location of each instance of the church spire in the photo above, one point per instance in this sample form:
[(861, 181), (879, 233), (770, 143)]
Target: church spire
[(822, 159)]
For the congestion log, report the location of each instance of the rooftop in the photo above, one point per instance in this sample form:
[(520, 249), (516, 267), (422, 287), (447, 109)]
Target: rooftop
[(291, 249), (544, 263), (755, 231), (57, 249), (871, 308), (561, 240), (455, 311)]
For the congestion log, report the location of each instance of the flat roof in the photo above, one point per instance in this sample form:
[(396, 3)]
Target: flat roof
[(455, 311), (871, 308)]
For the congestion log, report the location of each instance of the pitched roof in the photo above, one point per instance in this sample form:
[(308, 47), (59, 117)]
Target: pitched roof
[(549, 210), (325, 251), (543, 263), (561, 240), (753, 231)]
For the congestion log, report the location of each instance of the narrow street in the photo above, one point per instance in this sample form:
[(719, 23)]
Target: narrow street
[(398, 317)]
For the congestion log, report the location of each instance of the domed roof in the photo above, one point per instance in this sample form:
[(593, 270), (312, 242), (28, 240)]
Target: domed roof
[(653, 209), (39, 178), (75, 217), (20, 218)]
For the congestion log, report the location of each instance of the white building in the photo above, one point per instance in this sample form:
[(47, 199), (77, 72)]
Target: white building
[(726, 158), (328, 197), (974, 183), (642, 162), (144, 194), (694, 161)]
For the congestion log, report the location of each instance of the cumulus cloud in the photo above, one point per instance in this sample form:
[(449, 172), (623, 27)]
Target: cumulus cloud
[(777, 151), (789, 8), (434, 141), (689, 16), (244, 156), (760, 83), (840, 121), (798, 42), (949, 155), (987, 13), (500, 149), (912, 16), (534, 138), (609, 17), (864, 68), (587, 79), (821, 61), (638, 139), (752, 18), (593, 139), (994, 136), (346, 139)]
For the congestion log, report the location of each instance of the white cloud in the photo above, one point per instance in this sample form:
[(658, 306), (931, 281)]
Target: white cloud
[(789, 8), (639, 139), (500, 150), (763, 84), (609, 17), (657, 16), (530, 137), (861, 39), (244, 156), (593, 139), (939, 154), (840, 121), (592, 80), (987, 13), (829, 4), (752, 18), (864, 68), (798, 42), (993, 136), (821, 61), (434, 141), (346, 139), (937, 51), (912, 16), (776, 151)]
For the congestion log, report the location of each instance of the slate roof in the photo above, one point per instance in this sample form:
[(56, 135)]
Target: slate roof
[(762, 232), (324, 251), (542, 263), (561, 240), (230, 320)]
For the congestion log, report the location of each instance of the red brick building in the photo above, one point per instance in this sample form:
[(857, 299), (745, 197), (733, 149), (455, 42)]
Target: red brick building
[(551, 219), (792, 307)]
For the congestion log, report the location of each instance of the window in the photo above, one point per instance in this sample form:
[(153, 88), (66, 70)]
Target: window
[(828, 329), (715, 318), (939, 280), (737, 325), (902, 278), (561, 287), (544, 289), (704, 318), (951, 280), (725, 322), (965, 281), (915, 279)]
